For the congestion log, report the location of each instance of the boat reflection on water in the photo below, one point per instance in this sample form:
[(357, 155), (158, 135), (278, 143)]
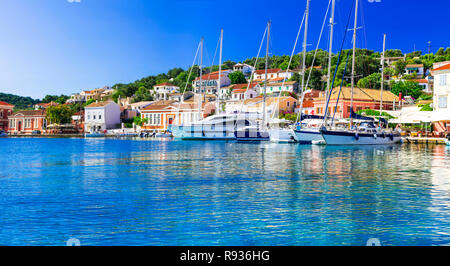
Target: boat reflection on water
[(134, 192)]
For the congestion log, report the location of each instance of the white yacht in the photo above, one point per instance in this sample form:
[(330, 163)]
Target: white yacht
[(216, 127)]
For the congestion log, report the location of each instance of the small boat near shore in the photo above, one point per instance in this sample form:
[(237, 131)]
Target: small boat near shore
[(3, 134)]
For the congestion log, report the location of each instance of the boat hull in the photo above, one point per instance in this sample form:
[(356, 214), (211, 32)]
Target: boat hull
[(353, 138), (251, 135), (308, 136), (282, 135)]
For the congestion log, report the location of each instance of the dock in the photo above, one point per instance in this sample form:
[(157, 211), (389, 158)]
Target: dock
[(422, 140)]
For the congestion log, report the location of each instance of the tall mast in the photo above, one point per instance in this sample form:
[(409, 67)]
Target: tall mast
[(353, 59), (382, 74), (219, 93), (265, 75), (330, 49), (200, 88), (305, 35)]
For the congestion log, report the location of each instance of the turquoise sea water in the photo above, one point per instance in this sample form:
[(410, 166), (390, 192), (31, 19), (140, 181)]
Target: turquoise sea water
[(140, 192)]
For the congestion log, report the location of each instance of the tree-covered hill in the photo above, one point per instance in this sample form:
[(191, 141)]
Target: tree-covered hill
[(19, 102)]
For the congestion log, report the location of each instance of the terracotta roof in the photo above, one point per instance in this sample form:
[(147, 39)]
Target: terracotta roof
[(444, 67), (421, 80), (269, 71), (158, 105), (414, 65), (281, 84), (239, 90), (5, 103), (165, 84), (210, 76), (361, 94), (98, 104), (30, 112), (244, 85)]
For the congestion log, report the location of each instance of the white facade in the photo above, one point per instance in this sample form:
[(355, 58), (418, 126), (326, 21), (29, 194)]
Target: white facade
[(441, 99), (441, 94), (101, 116), (209, 84), (273, 74), (244, 68), (162, 91), (243, 94)]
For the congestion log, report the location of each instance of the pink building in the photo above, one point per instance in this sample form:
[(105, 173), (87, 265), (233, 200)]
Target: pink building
[(6, 110)]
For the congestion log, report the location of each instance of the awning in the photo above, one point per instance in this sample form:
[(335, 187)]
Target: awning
[(440, 116)]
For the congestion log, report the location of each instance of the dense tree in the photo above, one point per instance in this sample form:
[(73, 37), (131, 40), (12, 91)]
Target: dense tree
[(174, 72), (19, 102), (410, 88), (399, 67), (60, 114), (237, 77), (373, 81)]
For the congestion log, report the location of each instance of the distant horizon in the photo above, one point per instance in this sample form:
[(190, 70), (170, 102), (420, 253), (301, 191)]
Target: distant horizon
[(62, 47)]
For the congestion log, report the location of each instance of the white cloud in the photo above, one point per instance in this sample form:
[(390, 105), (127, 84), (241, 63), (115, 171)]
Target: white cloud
[(74, 1)]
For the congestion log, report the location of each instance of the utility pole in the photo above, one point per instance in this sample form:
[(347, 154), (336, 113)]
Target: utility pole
[(429, 47)]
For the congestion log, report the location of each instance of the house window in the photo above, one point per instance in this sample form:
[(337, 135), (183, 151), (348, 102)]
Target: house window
[(442, 102), (94, 117), (100, 117), (12, 123), (443, 80), (288, 104), (36, 123), (1, 114)]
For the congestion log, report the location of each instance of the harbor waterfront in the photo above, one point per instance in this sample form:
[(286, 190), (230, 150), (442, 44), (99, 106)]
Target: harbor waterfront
[(107, 191)]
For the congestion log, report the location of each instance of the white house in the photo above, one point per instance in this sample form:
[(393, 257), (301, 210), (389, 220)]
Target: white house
[(441, 98), (243, 94), (209, 82), (100, 116), (161, 91), (277, 88), (415, 68), (244, 68), (275, 74)]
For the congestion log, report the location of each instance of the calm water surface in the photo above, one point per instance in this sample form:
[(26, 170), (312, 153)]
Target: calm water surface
[(133, 192)]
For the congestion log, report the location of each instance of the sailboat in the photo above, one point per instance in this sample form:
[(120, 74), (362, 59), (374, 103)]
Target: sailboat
[(367, 133), (257, 132), (307, 131), (218, 126)]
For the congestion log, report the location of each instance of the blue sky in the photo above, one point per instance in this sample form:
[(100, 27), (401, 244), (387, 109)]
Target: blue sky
[(61, 47)]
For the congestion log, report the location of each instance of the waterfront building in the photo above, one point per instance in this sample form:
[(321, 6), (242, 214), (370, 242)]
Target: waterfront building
[(6, 110), (441, 99), (362, 99), (100, 116), (161, 91), (161, 114), (244, 68), (210, 81), (27, 122)]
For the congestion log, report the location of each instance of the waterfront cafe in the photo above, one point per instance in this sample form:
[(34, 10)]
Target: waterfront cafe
[(414, 122)]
